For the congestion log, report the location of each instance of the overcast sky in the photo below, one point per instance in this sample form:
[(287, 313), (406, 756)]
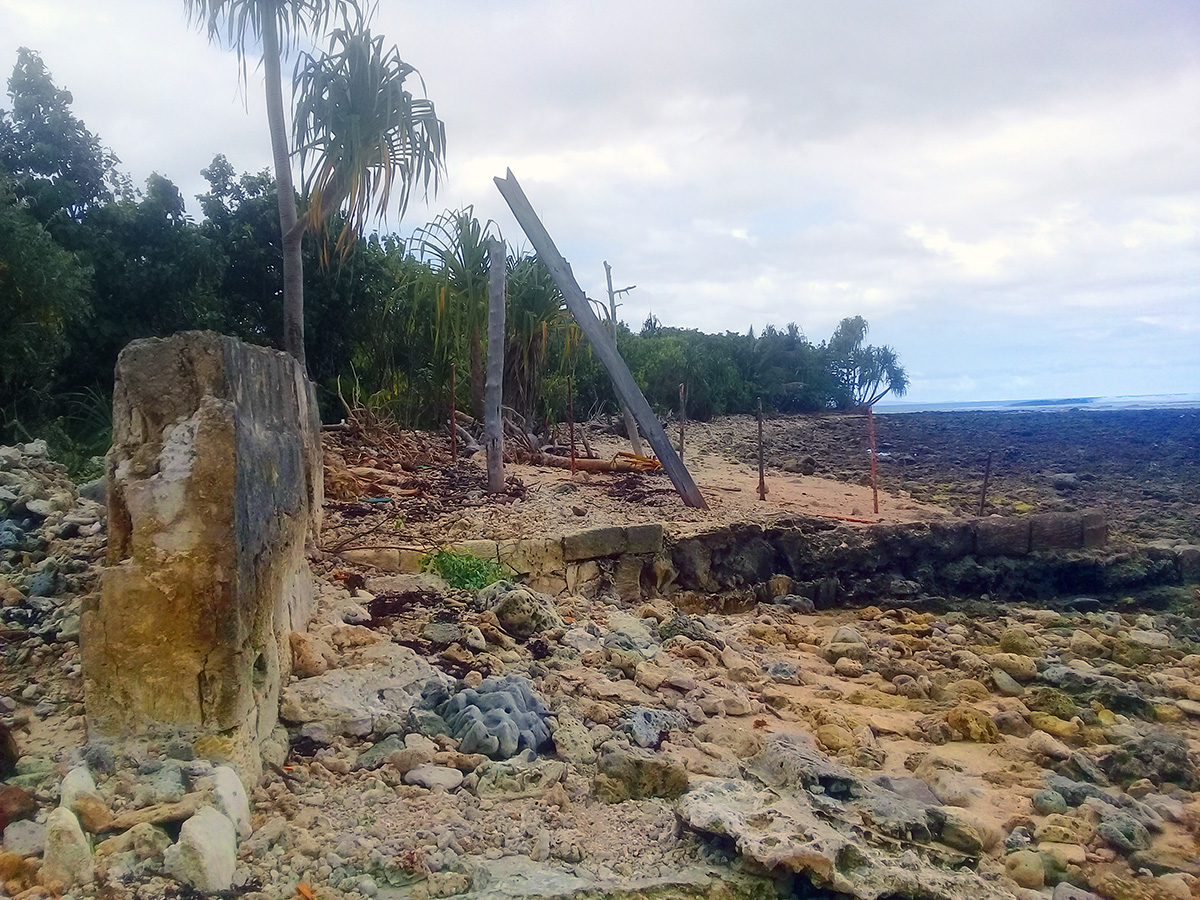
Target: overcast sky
[(1009, 192)]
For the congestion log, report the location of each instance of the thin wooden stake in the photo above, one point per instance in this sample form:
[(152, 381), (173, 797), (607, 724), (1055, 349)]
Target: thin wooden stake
[(453, 430), (762, 469), (682, 415), (874, 468), (571, 420), (493, 429), (987, 474)]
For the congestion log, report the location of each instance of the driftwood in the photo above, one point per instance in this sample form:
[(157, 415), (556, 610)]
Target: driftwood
[(622, 462)]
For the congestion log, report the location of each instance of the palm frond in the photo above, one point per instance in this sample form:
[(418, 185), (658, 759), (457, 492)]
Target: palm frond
[(360, 135)]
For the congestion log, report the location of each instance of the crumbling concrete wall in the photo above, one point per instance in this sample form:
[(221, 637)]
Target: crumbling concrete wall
[(214, 485)]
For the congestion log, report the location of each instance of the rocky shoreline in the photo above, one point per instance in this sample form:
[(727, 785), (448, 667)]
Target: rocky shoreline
[(506, 743)]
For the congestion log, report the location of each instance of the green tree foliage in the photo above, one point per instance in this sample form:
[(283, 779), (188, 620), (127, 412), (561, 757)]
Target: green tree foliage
[(154, 273), (358, 132), (58, 169), (43, 291), (863, 374), (455, 247), (87, 264)]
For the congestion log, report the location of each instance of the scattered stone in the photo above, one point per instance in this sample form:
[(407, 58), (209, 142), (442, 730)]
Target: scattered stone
[(432, 777), (631, 773), (1026, 869), (1047, 802), (520, 611), (206, 855), (231, 799), (67, 856), (1042, 744), (973, 725), (1017, 640), (25, 838)]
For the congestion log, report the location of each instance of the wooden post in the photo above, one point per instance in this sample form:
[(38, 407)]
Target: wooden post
[(762, 469), (874, 470), (682, 415), (453, 423), (571, 419), (635, 440), (604, 346), (493, 430), (987, 474)]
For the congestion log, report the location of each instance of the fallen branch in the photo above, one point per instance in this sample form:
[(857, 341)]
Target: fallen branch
[(622, 462)]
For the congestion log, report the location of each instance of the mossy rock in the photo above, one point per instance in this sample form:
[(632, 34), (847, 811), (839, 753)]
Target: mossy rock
[(1050, 700), (1017, 640), (1128, 654)]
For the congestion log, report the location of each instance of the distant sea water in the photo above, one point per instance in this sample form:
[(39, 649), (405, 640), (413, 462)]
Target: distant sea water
[(1143, 401)]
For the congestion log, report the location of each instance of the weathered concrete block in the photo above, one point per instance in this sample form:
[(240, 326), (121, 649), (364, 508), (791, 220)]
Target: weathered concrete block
[(532, 556), (385, 559), (482, 549), (215, 482), (644, 538), (627, 577), (1056, 531), (1095, 530), (594, 543), (1002, 537)]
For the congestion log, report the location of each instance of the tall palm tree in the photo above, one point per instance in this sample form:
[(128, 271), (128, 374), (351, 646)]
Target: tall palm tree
[(361, 133)]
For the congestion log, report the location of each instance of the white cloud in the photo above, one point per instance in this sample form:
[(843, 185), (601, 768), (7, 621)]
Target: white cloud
[(975, 179)]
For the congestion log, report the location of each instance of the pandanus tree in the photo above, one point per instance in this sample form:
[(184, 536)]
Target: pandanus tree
[(536, 313), (864, 375), (455, 247), (360, 135)]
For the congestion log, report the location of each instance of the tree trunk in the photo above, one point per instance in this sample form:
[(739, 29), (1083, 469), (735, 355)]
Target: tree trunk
[(293, 265)]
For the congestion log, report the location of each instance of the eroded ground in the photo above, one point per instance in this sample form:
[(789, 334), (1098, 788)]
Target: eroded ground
[(865, 752)]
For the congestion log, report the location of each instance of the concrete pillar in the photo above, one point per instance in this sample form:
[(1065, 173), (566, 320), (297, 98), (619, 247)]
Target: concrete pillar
[(214, 486)]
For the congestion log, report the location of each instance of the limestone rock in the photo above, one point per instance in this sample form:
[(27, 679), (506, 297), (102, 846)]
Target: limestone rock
[(973, 725), (1020, 667), (206, 855), (310, 655), (431, 776), (635, 774), (1041, 743), (76, 782), (1017, 640), (231, 799), (1026, 869), (67, 858), (520, 611)]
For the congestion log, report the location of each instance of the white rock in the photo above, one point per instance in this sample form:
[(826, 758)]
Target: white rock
[(1154, 639), (25, 838), (231, 799), (1191, 707), (77, 781), (68, 855), (431, 776), (206, 854), (1047, 745)]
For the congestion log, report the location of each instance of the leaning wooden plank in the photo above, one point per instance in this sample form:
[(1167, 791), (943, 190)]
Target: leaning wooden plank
[(596, 334)]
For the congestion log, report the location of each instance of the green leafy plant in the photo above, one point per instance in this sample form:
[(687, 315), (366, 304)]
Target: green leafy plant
[(463, 571)]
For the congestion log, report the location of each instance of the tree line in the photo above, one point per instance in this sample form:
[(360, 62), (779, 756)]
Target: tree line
[(88, 263)]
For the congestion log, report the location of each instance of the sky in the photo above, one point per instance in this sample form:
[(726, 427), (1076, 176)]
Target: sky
[(1008, 192)]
